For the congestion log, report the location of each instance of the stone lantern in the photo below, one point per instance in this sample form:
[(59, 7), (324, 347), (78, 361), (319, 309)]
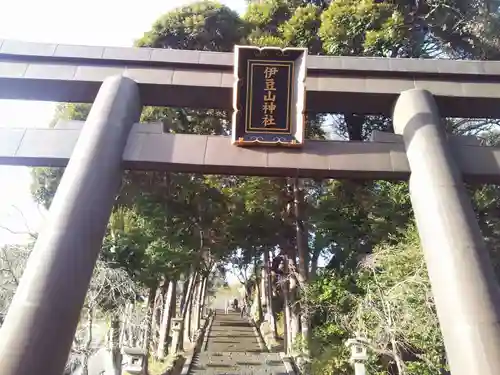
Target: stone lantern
[(134, 360), (177, 341), (359, 354)]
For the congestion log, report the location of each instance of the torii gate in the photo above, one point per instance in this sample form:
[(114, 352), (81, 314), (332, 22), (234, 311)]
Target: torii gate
[(38, 331)]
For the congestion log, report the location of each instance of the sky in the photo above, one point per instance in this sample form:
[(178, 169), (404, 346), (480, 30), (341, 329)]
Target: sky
[(92, 22)]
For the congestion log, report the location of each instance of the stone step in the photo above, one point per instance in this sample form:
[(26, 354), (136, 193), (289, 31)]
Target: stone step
[(233, 348)]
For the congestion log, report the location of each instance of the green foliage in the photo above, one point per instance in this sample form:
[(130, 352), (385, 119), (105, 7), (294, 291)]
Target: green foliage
[(138, 240), (268, 15), (204, 25), (264, 39), (397, 310), (351, 218), (110, 289), (13, 259), (389, 302), (44, 183), (464, 29), (71, 111), (302, 28), (357, 28), (486, 200), (332, 360)]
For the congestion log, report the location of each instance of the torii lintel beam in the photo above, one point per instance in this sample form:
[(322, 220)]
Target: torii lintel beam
[(200, 79), (148, 148)]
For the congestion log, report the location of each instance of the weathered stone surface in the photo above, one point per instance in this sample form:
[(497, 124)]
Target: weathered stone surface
[(233, 349), (199, 79)]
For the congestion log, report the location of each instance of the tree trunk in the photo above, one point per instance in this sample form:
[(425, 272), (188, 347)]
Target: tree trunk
[(133, 333), (271, 316), (263, 288), (195, 307), (294, 314), (168, 311), (116, 356), (305, 326), (286, 285), (397, 357), (88, 342), (314, 262), (157, 314), (199, 304), (287, 318), (149, 326), (124, 336), (132, 337), (188, 332), (160, 301), (301, 232), (184, 309), (259, 300), (85, 364), (258, 292), (354, 126), (303, 265), (185, 288), (203, 297)]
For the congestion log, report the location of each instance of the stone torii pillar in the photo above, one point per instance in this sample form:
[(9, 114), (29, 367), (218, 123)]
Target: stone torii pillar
[(38, 331), (463, 282)]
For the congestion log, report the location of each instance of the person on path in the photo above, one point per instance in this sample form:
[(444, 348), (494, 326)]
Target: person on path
[(228, 304), (243, 308)]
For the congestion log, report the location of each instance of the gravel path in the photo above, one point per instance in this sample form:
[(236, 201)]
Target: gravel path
[(233, 349)]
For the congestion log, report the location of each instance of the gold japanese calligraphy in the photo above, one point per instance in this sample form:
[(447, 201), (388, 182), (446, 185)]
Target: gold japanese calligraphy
[(270, 84), (268, 96), (269, 106)]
